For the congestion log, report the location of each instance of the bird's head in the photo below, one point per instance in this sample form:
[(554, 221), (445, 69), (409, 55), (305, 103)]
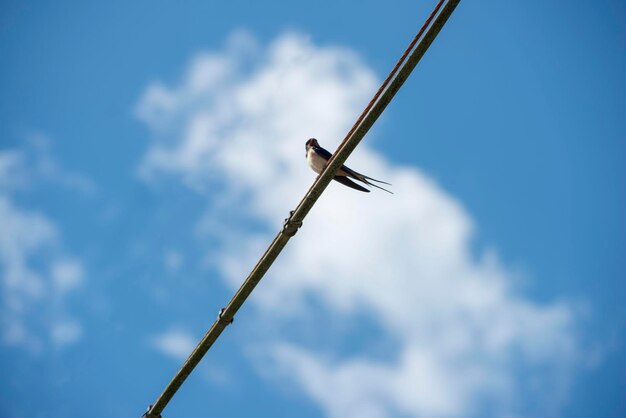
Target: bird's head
[(311, 143)]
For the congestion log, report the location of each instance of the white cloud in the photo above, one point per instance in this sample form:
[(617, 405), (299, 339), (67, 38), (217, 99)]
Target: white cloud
[(67, 274), (66, 332), (173, 261), (12, 173), (175, 343), (36, 274), (463, 336), (34, 162)]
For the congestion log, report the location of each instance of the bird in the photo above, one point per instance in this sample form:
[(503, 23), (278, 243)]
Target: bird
[(317, 157)]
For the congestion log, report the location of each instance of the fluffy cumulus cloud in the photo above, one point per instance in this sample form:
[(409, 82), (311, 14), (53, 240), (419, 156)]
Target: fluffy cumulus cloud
[(175, 343), (37, 274), (416, 324)]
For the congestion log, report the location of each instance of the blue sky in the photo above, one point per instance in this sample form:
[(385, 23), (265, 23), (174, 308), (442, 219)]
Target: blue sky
[(149, 151)]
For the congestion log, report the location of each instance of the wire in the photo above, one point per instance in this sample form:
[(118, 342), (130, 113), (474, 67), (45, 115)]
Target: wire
[(393, 72), (373, 110)]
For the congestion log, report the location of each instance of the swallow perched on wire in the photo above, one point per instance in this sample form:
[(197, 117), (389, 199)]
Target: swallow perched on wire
[(317, 157)]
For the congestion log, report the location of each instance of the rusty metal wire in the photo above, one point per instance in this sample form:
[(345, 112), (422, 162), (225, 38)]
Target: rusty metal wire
[(393, 72), (373, 110)]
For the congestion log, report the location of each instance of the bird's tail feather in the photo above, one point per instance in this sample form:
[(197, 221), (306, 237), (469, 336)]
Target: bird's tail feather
[(377, 181), (375, 185), (362, 177), (365, 179)]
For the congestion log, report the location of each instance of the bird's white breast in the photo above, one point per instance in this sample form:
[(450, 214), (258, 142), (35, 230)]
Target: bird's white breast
[(316, 162)]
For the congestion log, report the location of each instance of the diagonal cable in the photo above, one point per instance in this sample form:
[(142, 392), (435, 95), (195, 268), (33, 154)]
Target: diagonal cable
[(407, 62)]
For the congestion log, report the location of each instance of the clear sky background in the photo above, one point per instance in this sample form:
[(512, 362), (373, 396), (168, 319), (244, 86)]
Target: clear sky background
[(150, 150)]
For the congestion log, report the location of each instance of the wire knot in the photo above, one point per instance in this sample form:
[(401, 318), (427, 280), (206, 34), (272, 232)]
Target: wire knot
[(290, 227), (220, 316), (147, 414)]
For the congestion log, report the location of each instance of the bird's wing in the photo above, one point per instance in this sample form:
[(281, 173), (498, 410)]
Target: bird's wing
[(347, 182), (359, 176), (351, 173), (323, 153)]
